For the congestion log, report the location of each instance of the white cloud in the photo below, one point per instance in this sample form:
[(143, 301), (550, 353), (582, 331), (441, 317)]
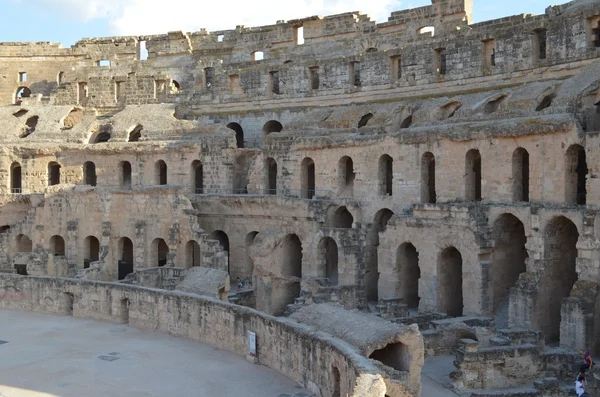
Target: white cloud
[(136, 17)]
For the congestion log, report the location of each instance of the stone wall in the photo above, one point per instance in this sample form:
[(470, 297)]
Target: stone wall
[(305, 355)]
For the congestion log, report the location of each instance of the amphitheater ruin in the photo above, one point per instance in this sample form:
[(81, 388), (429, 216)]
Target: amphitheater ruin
[(365, 199)]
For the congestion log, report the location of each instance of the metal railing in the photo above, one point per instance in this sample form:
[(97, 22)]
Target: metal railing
[(16, 190)]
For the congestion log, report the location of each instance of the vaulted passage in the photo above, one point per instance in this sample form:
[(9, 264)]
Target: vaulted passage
[(285, 293), (450, 296), (558, 275), (428, 194), (340, 218), (223, 240), (239, 134), (125, 259), (308, 178), (520, 173), (328, 259), (576, 173), (91, 251), (160, 251), (192, 254), (473, 175), (508, 258), (407, 264), (380, 222)]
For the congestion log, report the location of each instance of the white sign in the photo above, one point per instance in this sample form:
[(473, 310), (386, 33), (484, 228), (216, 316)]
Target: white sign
[(252, 344)]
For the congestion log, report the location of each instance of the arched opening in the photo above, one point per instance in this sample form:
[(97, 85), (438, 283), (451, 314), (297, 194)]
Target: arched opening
[(135, 134), (223, 240), (520, 173), (380, 222), (102, 137), (407, 265), (160, 173), (558, 277), (15, 178), (328, 259), (576, 174), (23, 243), (508, 261), (473, 175), (450, 296), (73, 118), (89, 173), (337, 388), (271, 126), (197, 173), (192, 254), (239, 134), (125, 260), (546, 102), (364, 120), (22, 92), (290, 255), (160, 252), (59, 77), (407, 122), (386, 175), (493, 104), (31, 123), (57, 246), (346, 173), (428, 194), (450, 109), (53, 173), (271, 182), (249, 263), (308, 178), (91, 251), (125, 174), (341, 218), (394, 355)]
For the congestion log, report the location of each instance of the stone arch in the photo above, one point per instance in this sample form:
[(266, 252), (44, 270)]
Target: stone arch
[(160, 252), (409, 272), (270, 127), (379, 224), (386, 175), (508, 258), (473, 175), (16, 178), (394, 355), (337, 388), (428, 193), (135, 134), (290, 257), (271, 176), (239, 134), (406, 122), (57, 245), (248, 262), (89, 173), (23, 243), (197, 175), (340, 217), (91, 251), (346, 173), (328, 259), (102, 136), (126, 174), (558, 276), (192, 254), (575, 175), (223, 240), (53, 173), (73, 118), (307, 171), (22, 92), (160, 173), (364, 120), (450, 282), (125, 258), (520, 174)]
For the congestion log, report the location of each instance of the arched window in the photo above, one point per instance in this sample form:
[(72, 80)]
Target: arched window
[(328, 262), (339, 218), (160, 251), (576, 174), (386, 175), (89, 173), (223, 240), (53, 173), (125, 257), (197, 173), (160, 173), (24, 243), (428, 194), (473, 175), (15, 178), (346, 173), (91, 251), (57, 246), (520, 173), (270, 127), (271, 182), (125, 174), (192, 254), (407, 263), (22, 92), (308, 178), (239, 134)]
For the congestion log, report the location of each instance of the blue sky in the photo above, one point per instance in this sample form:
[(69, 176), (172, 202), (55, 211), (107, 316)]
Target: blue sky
[(67, 21)]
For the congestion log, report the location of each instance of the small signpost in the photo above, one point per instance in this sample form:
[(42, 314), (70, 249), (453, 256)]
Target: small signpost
[(251, 356)]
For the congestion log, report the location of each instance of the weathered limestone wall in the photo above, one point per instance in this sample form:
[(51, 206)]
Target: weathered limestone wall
[(307, 356)]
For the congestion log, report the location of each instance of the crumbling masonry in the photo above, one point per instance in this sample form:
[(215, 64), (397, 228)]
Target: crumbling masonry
[(421, 169)]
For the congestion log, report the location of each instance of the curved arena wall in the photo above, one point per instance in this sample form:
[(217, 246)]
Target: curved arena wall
[(295, 350)]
